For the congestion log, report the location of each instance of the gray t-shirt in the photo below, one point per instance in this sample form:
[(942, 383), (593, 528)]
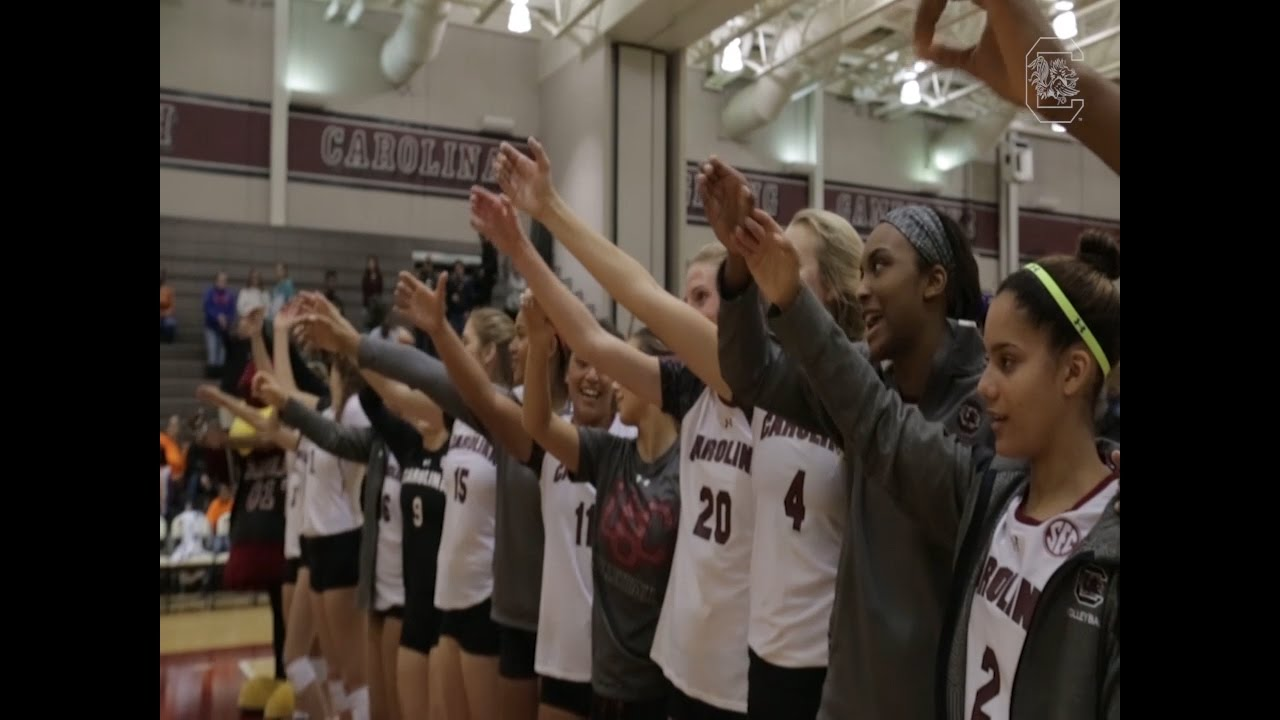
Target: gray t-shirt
[(638, 512)]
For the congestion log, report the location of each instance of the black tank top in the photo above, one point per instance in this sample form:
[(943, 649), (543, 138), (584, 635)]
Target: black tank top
[(258, 512)]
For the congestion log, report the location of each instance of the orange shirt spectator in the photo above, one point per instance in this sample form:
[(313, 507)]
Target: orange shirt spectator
[(172, 449), (219, 506)]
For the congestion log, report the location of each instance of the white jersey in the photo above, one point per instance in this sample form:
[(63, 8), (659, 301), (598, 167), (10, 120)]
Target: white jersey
[(802, 504), (329, 503), (353, 416), (293, 503), (388, 574), (701, 639), (464, 566), (564, 615), (1024, 554)]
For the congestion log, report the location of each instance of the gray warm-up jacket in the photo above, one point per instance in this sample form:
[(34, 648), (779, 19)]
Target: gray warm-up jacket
[(1070, 662), (518, 532), (893, 575)]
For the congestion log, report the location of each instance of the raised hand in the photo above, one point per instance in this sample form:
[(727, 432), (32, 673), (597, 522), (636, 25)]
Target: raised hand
[(1000, 57), (269, 390), (321, 332), (424, 306), (494, 217), (540, 329), (726, 198), (526, 181), (770, 256), (311, 302), (210, 394)]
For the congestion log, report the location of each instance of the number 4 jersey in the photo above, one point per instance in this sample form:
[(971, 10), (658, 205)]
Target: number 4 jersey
[(802, 503)]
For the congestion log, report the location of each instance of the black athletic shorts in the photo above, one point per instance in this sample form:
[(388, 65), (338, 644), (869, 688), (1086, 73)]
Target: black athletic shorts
[(572, 697), (335, 560), (606, 709), (291, 566), (778, 693), (472, 627), (421, 630), (683, 707), (395, 611), (515, 660)]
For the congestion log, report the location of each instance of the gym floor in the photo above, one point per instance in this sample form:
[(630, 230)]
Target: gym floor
[(205, 656)]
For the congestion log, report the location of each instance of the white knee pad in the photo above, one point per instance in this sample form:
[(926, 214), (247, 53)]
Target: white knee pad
[(337, 696), (322, 669), (301, 674), (358, 703)]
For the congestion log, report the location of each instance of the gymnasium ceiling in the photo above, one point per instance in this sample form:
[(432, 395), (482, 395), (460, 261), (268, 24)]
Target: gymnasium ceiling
[(872, 39)]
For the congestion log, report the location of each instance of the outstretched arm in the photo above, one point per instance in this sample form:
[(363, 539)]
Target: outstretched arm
[(527, 182), (348, 443), (402, 363), (555, 434), (929, 471), (999, 60), (495, 218), (499, 413), (408, 404), (269, 430)]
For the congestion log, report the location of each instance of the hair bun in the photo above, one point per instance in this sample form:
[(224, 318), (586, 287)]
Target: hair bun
[(1101, 252)]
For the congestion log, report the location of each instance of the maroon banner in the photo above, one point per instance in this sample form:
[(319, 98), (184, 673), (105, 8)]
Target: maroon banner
[(1043, 233), (865, 207), (203, 132), (782, 196), (386, 155), (1040, 233)]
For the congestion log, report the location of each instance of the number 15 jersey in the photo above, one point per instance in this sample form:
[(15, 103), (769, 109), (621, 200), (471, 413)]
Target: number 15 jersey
[(464, 571)]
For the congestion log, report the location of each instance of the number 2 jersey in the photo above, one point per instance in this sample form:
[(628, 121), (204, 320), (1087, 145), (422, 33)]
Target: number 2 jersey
[(701, 641), (1023, 556)]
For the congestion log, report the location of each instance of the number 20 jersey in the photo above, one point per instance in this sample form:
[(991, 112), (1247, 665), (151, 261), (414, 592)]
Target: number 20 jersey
[(701, 640)]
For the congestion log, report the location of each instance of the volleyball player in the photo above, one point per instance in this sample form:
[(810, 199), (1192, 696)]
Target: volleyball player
[(464, 584), (789, 607), (635, 528), (330, 538), (563, 655), (917, 271), (1036, 543)]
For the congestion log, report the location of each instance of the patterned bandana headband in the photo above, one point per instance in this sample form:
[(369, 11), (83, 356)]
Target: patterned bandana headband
[(1072, 316), (923, 229)]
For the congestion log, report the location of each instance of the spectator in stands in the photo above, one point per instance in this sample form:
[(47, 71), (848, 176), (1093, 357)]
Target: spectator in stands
[(219, 311), (283, 291), (331, 290), (253, 296), (458, 303), (220, 506), (168, 320), (371, 284), (175, 452)]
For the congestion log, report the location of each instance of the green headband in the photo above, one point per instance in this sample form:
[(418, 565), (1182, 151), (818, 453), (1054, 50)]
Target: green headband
[(1072, 316)]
